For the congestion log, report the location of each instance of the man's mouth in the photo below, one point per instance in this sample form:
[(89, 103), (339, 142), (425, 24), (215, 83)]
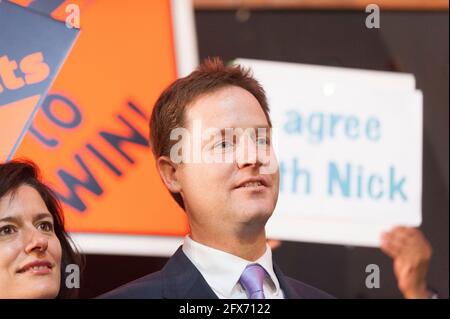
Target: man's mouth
[(252, 184)]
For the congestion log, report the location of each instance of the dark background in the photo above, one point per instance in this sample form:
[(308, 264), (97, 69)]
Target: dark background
[(412, 42)]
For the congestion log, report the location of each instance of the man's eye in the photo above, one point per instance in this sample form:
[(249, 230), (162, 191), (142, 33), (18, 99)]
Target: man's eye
[(7, 230), (223, 144), (45, 226), (263, 141)]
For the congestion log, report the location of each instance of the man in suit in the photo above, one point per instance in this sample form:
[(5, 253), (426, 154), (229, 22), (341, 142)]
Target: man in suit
[(210, 135)]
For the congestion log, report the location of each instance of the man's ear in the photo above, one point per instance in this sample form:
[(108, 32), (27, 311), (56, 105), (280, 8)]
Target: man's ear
[(167, 170)]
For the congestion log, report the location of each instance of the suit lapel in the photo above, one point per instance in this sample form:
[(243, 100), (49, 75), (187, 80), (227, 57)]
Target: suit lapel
[(182, 280), (288, 291)]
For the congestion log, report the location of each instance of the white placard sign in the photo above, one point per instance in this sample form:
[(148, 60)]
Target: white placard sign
[(349, 146)]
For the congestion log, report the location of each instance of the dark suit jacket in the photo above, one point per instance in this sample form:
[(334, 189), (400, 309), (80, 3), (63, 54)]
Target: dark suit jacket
[(180, 279)]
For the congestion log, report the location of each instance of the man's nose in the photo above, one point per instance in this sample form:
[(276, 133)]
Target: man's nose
[(247, 153), (35, 242)]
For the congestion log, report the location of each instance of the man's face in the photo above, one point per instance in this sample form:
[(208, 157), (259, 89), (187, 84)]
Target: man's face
[(242, 189)]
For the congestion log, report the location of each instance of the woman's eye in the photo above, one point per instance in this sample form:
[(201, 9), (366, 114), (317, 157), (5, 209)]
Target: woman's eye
[(7, 230), (46, 226)]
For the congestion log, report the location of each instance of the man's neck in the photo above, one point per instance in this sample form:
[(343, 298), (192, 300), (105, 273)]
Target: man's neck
[(248, 247)]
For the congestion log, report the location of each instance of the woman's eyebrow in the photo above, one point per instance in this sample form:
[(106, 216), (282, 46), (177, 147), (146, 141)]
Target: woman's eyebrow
[(10, 219), (43, 216), (17, 220)]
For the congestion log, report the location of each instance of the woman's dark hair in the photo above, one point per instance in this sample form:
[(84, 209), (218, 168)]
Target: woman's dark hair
[(16, 173)]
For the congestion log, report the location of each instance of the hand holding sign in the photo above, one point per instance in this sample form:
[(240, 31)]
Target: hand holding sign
[(411, 253)]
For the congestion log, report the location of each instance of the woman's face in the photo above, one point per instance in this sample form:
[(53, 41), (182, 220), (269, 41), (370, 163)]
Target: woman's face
[(30, 252)]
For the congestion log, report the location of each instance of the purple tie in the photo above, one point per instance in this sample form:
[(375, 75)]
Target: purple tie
[(252, 279)]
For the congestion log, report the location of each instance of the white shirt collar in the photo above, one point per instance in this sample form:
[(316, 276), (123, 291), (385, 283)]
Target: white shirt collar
[(222, 270)]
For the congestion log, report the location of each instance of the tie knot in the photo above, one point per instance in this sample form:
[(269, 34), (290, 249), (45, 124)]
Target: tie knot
[(252, 280)]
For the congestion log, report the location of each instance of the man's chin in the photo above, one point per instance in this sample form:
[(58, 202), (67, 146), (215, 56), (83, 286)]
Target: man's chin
[(254, 214)]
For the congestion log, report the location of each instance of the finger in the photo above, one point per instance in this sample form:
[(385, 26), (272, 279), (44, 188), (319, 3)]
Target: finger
[(400, 236), (398, 242), (412, 232), (412, 239), (390, 247), (403, 231), (417, 235)]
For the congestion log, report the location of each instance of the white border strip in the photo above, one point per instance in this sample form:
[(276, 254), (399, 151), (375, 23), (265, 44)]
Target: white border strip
[(185, 37), (131, 245)]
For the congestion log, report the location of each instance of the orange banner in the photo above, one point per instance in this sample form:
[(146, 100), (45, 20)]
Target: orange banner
[(90, 137)]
